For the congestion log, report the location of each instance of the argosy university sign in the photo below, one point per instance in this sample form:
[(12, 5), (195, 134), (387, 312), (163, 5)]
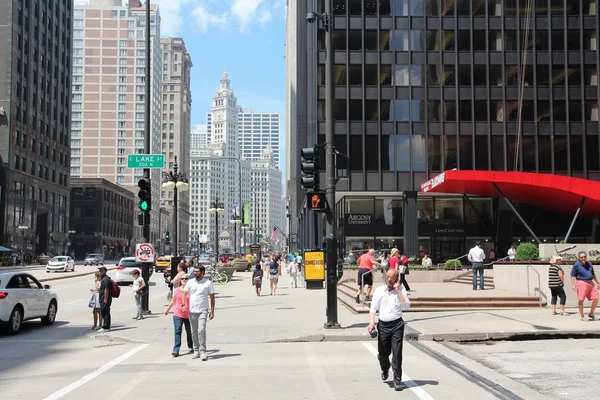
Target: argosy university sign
[(430, 184), (359, 219)]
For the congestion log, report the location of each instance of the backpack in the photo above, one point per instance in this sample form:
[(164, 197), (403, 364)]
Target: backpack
[(115, 290)]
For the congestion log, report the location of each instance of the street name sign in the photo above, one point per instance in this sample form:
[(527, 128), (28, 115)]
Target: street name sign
[(145, 161), (144, 252)]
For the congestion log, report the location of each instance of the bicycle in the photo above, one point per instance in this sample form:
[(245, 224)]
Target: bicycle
[(217, 275)]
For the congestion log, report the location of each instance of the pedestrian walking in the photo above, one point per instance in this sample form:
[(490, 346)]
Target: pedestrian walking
[(199, 291), (365, 266), (181, 317), (257, 277), (585, 283), (293, 270), (274, 274), (96, 311), (138, 287), (403, 269), (512, 253), (556, 280), (105, 299), (389, 301), (476, 256), (393, 260), (299, 260)]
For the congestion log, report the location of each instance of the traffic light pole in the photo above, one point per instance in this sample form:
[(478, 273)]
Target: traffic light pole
[(147, 150), (330, 240)]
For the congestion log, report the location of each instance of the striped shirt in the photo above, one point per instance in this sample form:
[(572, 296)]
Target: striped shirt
[(553, 278)]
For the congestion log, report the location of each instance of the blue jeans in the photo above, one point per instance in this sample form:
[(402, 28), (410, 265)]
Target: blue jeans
[(178, 323), (477, 268)]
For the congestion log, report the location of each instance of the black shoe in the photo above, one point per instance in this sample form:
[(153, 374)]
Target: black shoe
[(174, 354), (357, 299), (398, 387), (385, 375)]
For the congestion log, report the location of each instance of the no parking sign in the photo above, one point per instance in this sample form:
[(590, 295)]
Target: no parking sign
[(144, 252)]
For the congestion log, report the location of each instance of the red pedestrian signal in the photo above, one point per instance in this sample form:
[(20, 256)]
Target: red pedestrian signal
[(316, 201)]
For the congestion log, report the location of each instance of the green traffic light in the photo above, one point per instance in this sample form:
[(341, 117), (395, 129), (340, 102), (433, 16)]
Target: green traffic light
[(143, 205)]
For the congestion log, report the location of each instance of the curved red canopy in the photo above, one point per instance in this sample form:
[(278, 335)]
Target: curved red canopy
[(559, 193)]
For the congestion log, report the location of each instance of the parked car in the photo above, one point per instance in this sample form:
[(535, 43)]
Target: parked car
[(94, 259), (23, 298), (162, 262), (60, 263), (124, 268)]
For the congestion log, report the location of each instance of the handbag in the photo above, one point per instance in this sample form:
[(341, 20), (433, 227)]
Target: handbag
[(92, 303)]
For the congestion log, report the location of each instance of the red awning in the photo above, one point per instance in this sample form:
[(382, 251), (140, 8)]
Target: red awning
[(123, 242), (107, 242), (554, 192)]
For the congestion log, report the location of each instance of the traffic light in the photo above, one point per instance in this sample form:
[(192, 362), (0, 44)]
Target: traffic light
[(167, 237), (310, 168), (145, 194)]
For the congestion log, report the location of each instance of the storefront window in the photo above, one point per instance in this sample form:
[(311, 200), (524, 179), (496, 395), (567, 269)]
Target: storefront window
[(387, 243), (358, 245), (360, 206), (425, 211), (424, 248), (481, 207), (388, 211), (448, 211)]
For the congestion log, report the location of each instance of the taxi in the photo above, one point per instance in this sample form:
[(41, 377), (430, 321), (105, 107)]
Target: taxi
[(162, 262)]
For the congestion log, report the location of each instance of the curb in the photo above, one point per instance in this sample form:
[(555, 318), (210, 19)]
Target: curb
[(76, 275)]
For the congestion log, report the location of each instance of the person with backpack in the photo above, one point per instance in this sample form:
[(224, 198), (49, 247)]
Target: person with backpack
[(257, 277), (105, 295)]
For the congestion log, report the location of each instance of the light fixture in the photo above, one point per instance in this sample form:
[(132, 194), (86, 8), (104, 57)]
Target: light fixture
[(168, 185)]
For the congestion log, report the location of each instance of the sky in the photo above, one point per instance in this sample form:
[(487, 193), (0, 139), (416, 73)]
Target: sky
[(244, 37)]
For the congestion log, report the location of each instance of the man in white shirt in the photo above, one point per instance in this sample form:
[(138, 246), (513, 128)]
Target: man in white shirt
[(389, 300), (293, 270), (199, 290), (512, 253), (477, 256)]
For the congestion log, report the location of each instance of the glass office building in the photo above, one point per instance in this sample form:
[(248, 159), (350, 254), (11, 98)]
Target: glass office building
[(423, 86)]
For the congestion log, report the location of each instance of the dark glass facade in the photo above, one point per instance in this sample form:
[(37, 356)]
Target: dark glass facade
[(422, 86)]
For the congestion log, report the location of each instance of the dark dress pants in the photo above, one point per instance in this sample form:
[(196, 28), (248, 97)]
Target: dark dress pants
[(390, 340), (106, 319)]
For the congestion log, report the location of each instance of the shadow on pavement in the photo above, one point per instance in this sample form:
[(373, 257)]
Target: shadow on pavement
[(31, 326), (357, 325), (539, 327), (217, 356), (416, 382)]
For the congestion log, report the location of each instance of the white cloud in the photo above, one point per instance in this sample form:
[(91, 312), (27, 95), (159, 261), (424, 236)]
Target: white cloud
[(245, 11), (205, 19), (265, 16)]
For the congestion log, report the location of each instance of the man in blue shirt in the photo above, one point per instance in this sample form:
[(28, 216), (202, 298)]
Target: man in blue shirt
[(585, 283)]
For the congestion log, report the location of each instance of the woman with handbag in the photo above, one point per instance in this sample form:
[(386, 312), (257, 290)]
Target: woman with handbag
[(95, 302), (257, 277)]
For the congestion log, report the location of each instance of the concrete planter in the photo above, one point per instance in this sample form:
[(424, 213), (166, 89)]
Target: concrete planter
[(43, 260), (229, 271), (241, 266)]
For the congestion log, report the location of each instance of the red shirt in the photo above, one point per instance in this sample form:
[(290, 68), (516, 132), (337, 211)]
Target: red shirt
[(393, 262), (366, 261), (178, 312)]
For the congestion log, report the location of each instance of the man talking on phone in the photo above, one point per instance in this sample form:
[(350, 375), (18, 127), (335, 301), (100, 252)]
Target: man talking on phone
[(389, 301)]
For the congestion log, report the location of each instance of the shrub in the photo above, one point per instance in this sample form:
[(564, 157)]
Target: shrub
[(453, 263), (527, 251)]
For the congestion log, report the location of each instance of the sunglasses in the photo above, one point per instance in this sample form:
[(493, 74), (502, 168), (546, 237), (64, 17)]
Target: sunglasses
[(185, 279)]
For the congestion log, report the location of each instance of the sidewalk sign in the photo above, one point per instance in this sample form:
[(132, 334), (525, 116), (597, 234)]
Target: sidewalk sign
[(314, 268), (144, 252)]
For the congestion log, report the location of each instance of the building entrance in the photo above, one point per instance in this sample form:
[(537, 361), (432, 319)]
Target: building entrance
[(447, 248)]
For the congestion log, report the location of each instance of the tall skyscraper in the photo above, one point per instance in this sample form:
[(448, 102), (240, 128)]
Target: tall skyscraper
[(177, 122), (200, 137), (109, 75), (426, 87), (258, 132), (35, 118), (215, 169), (266, 195)]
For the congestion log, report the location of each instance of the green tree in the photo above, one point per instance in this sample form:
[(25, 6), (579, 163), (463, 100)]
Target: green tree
[(527, 251)]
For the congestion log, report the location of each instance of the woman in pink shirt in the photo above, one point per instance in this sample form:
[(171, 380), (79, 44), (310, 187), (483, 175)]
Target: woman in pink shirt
[(181, 317), (393, 261)]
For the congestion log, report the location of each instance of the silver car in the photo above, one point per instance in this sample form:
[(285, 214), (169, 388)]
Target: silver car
[(94, 259)]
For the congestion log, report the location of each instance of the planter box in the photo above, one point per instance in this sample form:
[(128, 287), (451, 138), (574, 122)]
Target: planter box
[(241, 266), (229, 270), (43, 260)]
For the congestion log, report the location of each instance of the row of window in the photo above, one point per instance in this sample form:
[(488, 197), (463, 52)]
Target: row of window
[(478, 40), (461, 75), (438, 153), (461, 110), (433, 8)]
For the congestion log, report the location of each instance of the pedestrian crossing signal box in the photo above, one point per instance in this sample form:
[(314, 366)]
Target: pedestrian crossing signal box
[(316, 201), (314, 269)]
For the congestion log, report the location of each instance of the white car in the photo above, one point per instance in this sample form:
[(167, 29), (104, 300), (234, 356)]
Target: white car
[(60, 263), (125, 267), (22, 298)]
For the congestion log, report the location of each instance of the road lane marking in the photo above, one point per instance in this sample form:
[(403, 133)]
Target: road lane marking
[(407, 380), (82, 381)]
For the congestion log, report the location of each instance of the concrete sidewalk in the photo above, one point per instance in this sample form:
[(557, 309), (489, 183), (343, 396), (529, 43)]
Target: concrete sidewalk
[(298, 315)]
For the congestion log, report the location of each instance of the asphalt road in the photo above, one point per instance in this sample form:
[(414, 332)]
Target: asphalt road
[(69, 361), (560, 369)]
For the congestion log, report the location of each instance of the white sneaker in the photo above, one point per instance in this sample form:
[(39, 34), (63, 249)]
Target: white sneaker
[(103, 330), (203, 356), (196, 355)]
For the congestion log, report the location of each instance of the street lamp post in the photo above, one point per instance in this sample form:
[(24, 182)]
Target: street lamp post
[(235, 220), (22, 228), (216, 207), (327, 20), (176, 181)]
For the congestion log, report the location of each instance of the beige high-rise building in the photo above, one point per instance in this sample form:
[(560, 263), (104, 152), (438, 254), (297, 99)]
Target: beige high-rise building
[(176, 124), (109, 95)]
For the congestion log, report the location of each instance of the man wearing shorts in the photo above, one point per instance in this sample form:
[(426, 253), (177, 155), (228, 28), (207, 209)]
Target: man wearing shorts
[(365, 265), (585, 283)]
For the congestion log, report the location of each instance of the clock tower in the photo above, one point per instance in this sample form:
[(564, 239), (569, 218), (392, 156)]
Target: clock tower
[(224, 117)]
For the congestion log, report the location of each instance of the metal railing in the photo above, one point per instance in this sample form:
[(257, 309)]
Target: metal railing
[(539, 287)]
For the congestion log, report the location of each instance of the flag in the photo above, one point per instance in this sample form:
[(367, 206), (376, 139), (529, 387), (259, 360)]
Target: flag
[(276, 232), (246, 210)]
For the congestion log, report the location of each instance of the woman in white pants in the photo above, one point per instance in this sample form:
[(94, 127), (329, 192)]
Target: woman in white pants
[(293, 270)]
